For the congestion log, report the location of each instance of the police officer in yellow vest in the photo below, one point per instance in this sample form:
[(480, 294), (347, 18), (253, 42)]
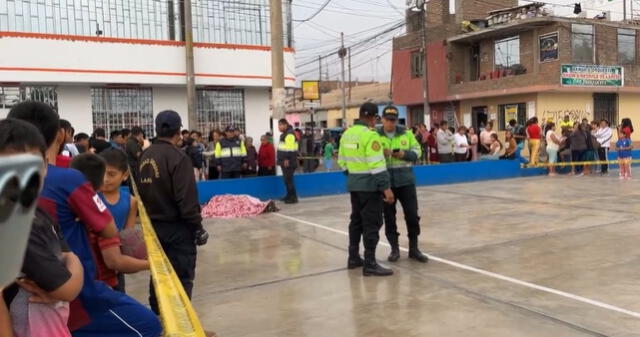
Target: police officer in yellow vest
[(288, 159), (230, 154), (402, 150), (362, 156)]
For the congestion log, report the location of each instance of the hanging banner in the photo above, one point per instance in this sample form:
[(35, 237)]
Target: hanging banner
[(592, 75), (548, 47), (311, 90)]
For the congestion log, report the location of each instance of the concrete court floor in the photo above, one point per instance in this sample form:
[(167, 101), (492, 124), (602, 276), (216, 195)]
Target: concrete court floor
[(286, 276)]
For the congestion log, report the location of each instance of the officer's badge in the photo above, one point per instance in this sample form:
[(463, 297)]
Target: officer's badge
[(375, 146)]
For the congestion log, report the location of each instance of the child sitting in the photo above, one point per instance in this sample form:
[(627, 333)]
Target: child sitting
[(53, 276), (109, 256)]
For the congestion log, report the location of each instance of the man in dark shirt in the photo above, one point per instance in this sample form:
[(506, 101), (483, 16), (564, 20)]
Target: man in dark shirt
[(133, 149), (168, 191), (99, 141)]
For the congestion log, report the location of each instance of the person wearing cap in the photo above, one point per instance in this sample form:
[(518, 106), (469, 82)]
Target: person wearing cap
[(362, 156), (168, 191), (401, 150), (288, 159), (230, 154)]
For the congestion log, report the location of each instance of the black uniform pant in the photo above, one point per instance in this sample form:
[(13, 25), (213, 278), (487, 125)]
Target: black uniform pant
[(602, 156), (366, 221), (287, 175), (409, 201), (264, 171), (178, 242), (231, 175)]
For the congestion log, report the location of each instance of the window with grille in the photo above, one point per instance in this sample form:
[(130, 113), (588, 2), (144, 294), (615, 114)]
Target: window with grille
[(119, 108), (219, 108), (12, 95), (507, 112)]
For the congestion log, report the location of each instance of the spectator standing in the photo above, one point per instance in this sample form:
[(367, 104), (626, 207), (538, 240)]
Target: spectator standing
[(422, 135), (624, 147), (230, 154), (510, 146), (473, 143), (70, 149), (183, 139), (193, 151), (604, 134), (214, 138), (168, 191), (81, 141), (485, 138), (592, 147), (534, 134), (627, 127), (519, 134), (461, 145), (266, 158), (432, 142), (566, 123), (329, 154), (553, 146), (306, 150), (288, 159), (578, 148), (445, 143), (251, 160), (116, 139), (99, 141), (133, 149)]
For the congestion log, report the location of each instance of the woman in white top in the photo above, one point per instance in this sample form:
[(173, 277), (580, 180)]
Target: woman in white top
[(485, 138), (461, 145), (553, 146), (494, 149)]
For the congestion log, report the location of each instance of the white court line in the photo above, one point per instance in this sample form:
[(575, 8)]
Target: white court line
[(488, 273)]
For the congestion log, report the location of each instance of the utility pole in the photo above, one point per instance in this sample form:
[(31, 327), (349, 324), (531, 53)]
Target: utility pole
[(350, 83), (425, 78), (624, 10), (320, 68), (343, 53), (191, 79), (277, 60)]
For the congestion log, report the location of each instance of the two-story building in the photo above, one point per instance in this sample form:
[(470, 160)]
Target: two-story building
[(520, 62), (116, 64)]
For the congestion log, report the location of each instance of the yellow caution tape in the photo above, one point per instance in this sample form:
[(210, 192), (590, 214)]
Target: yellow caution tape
[(578, 163), (178, 317)]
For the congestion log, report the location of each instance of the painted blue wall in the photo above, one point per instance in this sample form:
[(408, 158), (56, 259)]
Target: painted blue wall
[(330, 183)]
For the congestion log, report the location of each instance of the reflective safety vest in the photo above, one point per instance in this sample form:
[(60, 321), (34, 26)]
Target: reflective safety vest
[(288, 148), (400, 170), (361, 154), (230, 154)]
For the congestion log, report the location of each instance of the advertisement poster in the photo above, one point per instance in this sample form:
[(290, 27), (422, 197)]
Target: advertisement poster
[(548, 47), (510, 112), (592, 75), (311, 90)]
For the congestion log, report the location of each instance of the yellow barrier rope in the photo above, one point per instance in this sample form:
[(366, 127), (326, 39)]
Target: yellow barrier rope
[(178, 317), (578, 163)]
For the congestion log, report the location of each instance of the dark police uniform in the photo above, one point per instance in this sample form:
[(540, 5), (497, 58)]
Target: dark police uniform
[(288, 150), (403, 184), (168, 191)]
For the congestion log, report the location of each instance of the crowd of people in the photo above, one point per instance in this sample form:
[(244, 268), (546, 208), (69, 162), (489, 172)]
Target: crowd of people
[(84, 236)]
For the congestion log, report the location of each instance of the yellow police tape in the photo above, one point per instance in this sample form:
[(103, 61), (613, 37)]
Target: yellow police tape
[(176, 312), (578, 163)]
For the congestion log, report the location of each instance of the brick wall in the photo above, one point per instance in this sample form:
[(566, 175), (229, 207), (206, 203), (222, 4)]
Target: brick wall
[(479, 9), (606, 45)]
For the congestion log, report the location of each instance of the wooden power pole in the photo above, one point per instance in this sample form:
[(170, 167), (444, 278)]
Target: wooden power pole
[(191, 79), (277, 60)]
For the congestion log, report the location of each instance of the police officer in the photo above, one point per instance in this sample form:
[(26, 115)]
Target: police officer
[(361, 154), (288, 159), (230, 154), (168, 191), (401, 150)]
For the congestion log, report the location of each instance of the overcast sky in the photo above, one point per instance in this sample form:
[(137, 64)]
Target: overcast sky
[(361, 20)]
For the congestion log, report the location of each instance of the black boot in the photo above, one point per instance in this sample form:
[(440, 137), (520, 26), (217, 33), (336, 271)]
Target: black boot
[(414, 251), (354, 261), (372, 268), (395, 251), (291, 200)]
